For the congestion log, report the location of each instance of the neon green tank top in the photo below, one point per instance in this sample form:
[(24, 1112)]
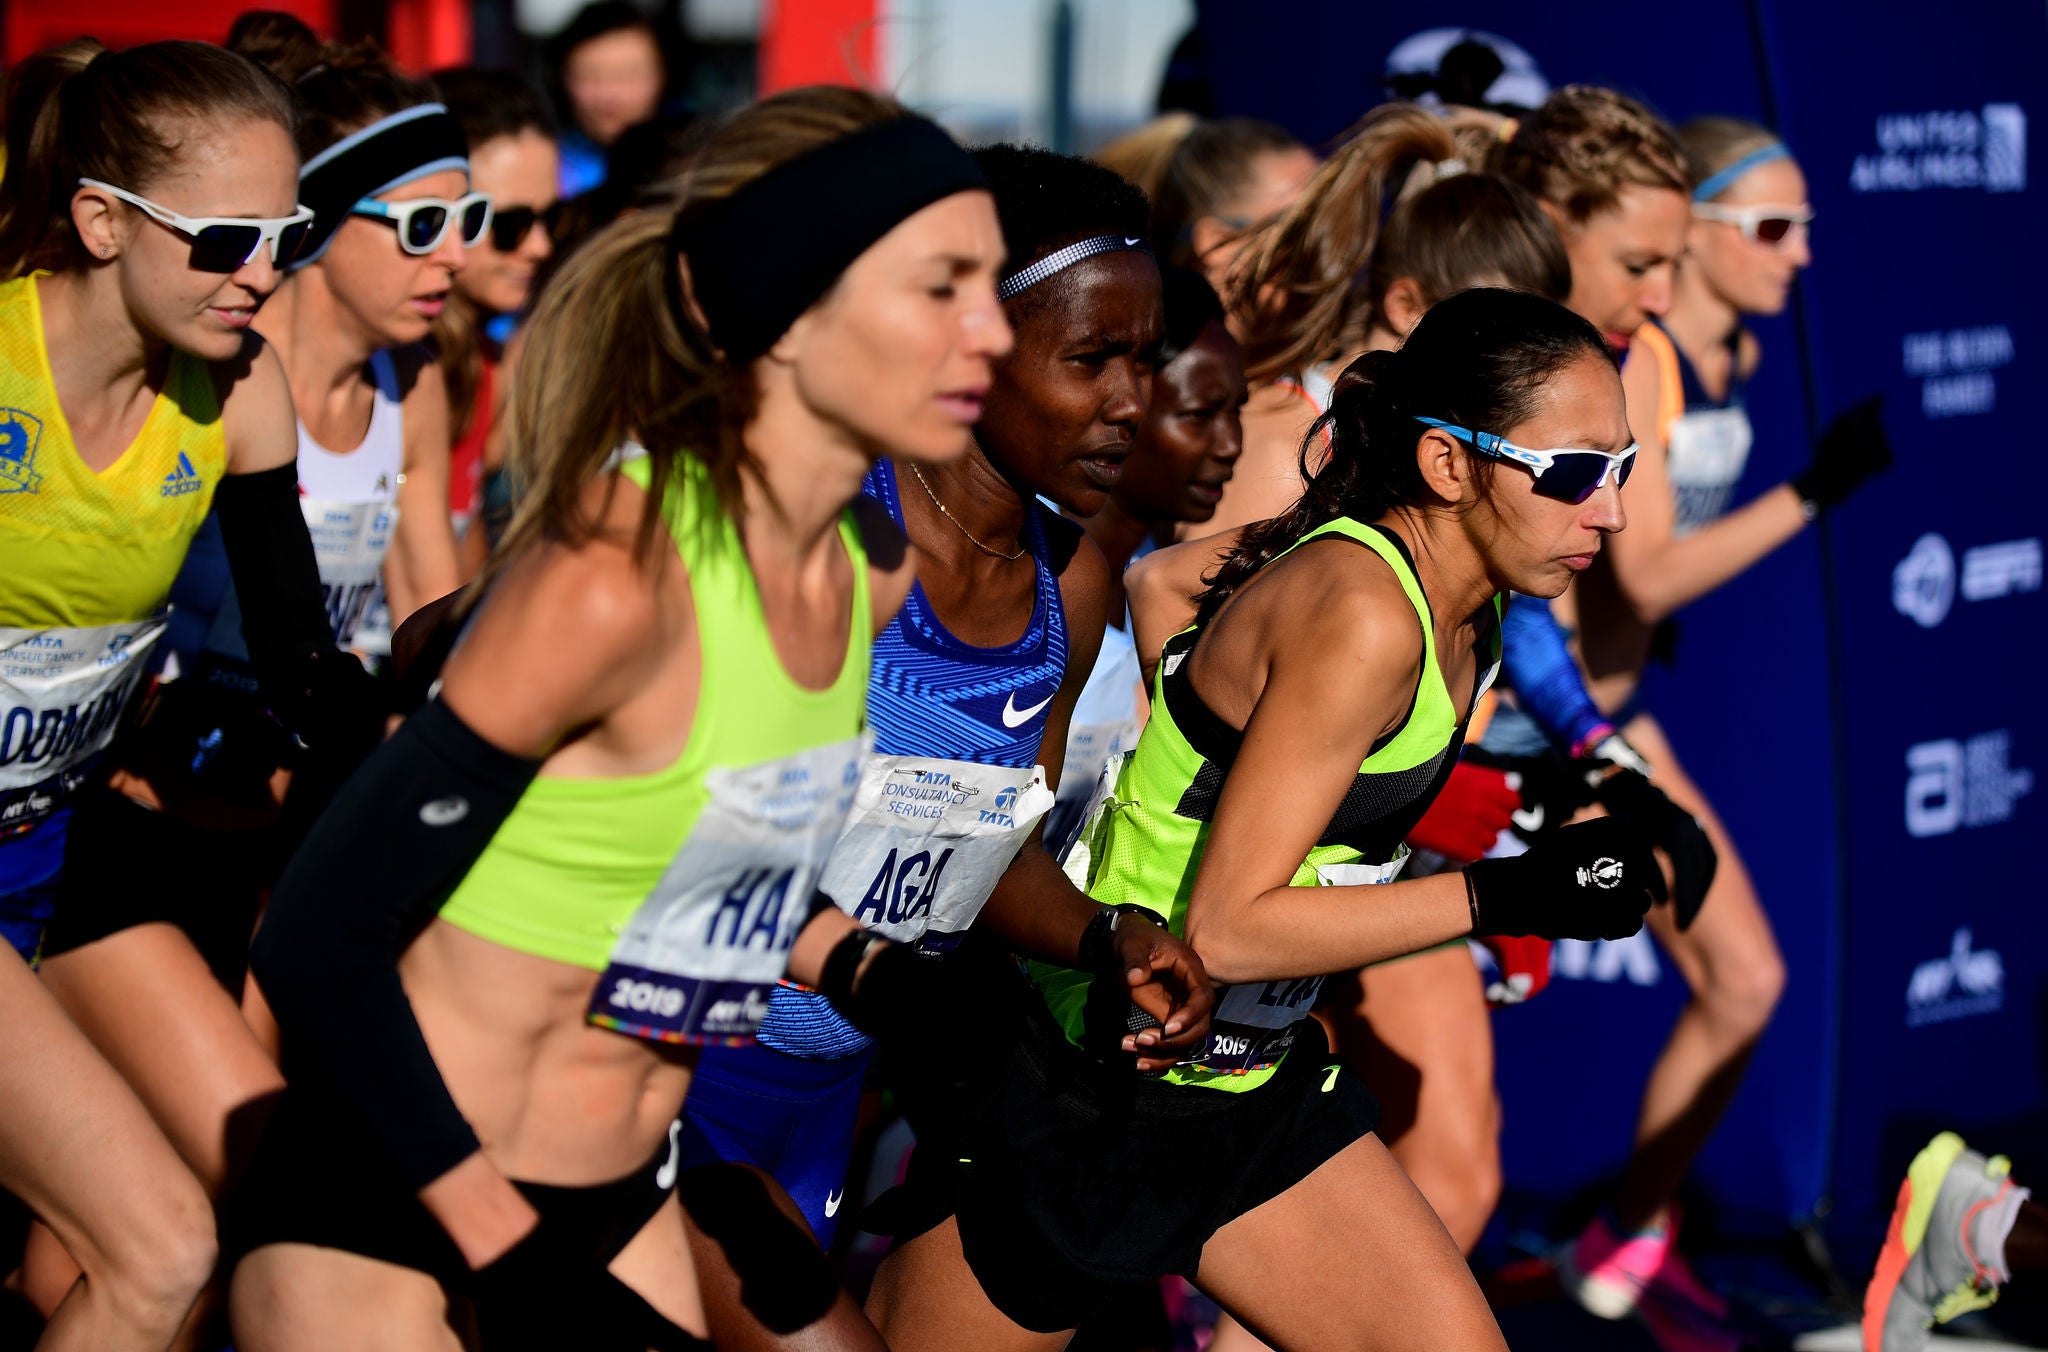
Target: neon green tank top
[(1145, 842), (686, 886), (86, 559)]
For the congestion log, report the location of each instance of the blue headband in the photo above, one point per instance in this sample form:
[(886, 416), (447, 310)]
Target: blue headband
[(1714, 185)]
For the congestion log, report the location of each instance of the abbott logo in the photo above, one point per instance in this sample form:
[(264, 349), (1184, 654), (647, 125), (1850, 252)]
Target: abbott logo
[(1966, 982), (1956, 148), (1926, 582), (1954, 784)]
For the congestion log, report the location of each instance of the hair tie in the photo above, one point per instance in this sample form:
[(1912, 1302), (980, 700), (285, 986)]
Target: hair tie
[(1715, 184), (1507, 129), (1023, 279), (1450, 168), (764, 255)]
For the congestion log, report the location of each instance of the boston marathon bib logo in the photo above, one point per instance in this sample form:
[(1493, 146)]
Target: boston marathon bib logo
[(20, 434)]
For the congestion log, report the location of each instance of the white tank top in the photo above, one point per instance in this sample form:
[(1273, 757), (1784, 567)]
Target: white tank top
[(350, 502)]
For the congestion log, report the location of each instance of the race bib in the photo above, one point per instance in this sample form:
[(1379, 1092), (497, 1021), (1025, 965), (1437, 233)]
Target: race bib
[(697, 960), (926, 843), (350, 540), (1255, 1020), (1708, 451), (62, 692)]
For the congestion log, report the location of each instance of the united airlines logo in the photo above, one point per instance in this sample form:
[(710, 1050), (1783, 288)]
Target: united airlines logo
[(1954, 148), (182, 479), (20, 433)]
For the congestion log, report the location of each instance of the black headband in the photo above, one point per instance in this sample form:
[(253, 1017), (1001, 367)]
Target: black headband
[(398, 149), (763, 256)]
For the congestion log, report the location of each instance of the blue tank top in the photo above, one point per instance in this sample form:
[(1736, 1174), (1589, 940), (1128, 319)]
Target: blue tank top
[(932, 694), (1706, 440)]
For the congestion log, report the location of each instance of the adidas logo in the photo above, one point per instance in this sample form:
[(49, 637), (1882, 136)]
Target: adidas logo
[(182, 480)]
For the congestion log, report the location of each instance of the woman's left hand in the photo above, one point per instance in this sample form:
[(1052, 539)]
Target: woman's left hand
[(1169, 983)]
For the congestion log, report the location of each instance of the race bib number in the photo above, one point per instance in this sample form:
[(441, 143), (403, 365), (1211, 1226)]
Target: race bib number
[(350, 540), (926, 843), (697, 960), (1708, 451), (1255, 1020), (62, 692)]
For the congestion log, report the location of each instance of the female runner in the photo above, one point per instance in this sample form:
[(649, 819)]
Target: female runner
[(1251, 792), (148, 209), (585, 873), (971, 691), (512, 159), (1621, 188)]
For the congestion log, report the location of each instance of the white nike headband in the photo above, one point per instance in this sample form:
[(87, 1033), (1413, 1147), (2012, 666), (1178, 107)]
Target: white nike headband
[(1024, 278)]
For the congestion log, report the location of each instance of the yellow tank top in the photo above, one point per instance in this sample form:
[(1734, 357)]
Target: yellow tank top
[(86, 559), (79, 549)]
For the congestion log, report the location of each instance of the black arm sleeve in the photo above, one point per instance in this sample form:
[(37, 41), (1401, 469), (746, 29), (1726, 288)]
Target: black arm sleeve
[(395, 842), (319, 692)]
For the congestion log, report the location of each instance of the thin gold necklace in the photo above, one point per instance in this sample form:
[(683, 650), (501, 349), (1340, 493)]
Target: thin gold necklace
[(996, 553)]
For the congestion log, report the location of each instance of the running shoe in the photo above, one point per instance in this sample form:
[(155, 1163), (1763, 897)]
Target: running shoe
[(1930, 1269), (1609, 1273)]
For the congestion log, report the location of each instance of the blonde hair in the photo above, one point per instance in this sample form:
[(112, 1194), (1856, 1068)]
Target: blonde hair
[(1713, 143), (1293, 288), (1585, 144)]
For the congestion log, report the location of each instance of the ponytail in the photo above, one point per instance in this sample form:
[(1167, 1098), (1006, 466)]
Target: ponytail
[(1293, 288), (80, 111), (1479, 359)]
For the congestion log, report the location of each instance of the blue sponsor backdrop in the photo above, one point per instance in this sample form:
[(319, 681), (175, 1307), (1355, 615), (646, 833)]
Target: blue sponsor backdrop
[(1859, 707)]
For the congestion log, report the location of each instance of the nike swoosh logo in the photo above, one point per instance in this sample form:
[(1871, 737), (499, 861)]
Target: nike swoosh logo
[(444, 811), (665, 1176), (1530, 819), (832, 1201), (1132, 241), (1013, 717), (1330, 1080)]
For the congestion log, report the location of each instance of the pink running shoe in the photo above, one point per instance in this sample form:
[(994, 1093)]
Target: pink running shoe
[(1609, 1274)]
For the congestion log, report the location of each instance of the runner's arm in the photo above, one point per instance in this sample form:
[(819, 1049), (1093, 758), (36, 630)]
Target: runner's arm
[(422, 562)]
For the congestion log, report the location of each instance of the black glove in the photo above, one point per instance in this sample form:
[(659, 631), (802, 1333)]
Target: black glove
[(1592, 880), (943, 1023), (1853, 448), (544, 1293), (1635, 800)]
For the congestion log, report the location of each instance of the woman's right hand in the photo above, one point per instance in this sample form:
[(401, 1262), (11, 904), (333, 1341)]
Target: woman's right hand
[(1589, 880), (480, 1209)]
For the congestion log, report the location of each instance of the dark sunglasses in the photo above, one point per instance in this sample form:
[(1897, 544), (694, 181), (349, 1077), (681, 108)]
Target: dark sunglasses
[(424, 222), (510, 225), (1570, 475), (1759, 225), (222, 243)]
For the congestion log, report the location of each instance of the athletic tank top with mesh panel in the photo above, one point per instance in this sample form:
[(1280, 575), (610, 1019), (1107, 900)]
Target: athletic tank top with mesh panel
[(689, 883), (86, 559), (921, 855), (350, 502), (1706, 440), (1145, 843)]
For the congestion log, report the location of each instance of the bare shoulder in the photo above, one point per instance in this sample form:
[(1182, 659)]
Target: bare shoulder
[(1084, 586), (256, 408), (1343, 602), (892, 562), (583, 625), (1161, 587)]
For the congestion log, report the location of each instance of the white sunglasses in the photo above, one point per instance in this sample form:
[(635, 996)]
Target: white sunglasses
[(223, 243), (1770, 225), (423, 222)]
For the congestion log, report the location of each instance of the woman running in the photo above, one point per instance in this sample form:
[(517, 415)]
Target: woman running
[(1182, 458), (387, 171), (1621, 187), (583, 874), (971, 693), (1253, 815), (1291, 322), (514, 161), (148, 209)]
